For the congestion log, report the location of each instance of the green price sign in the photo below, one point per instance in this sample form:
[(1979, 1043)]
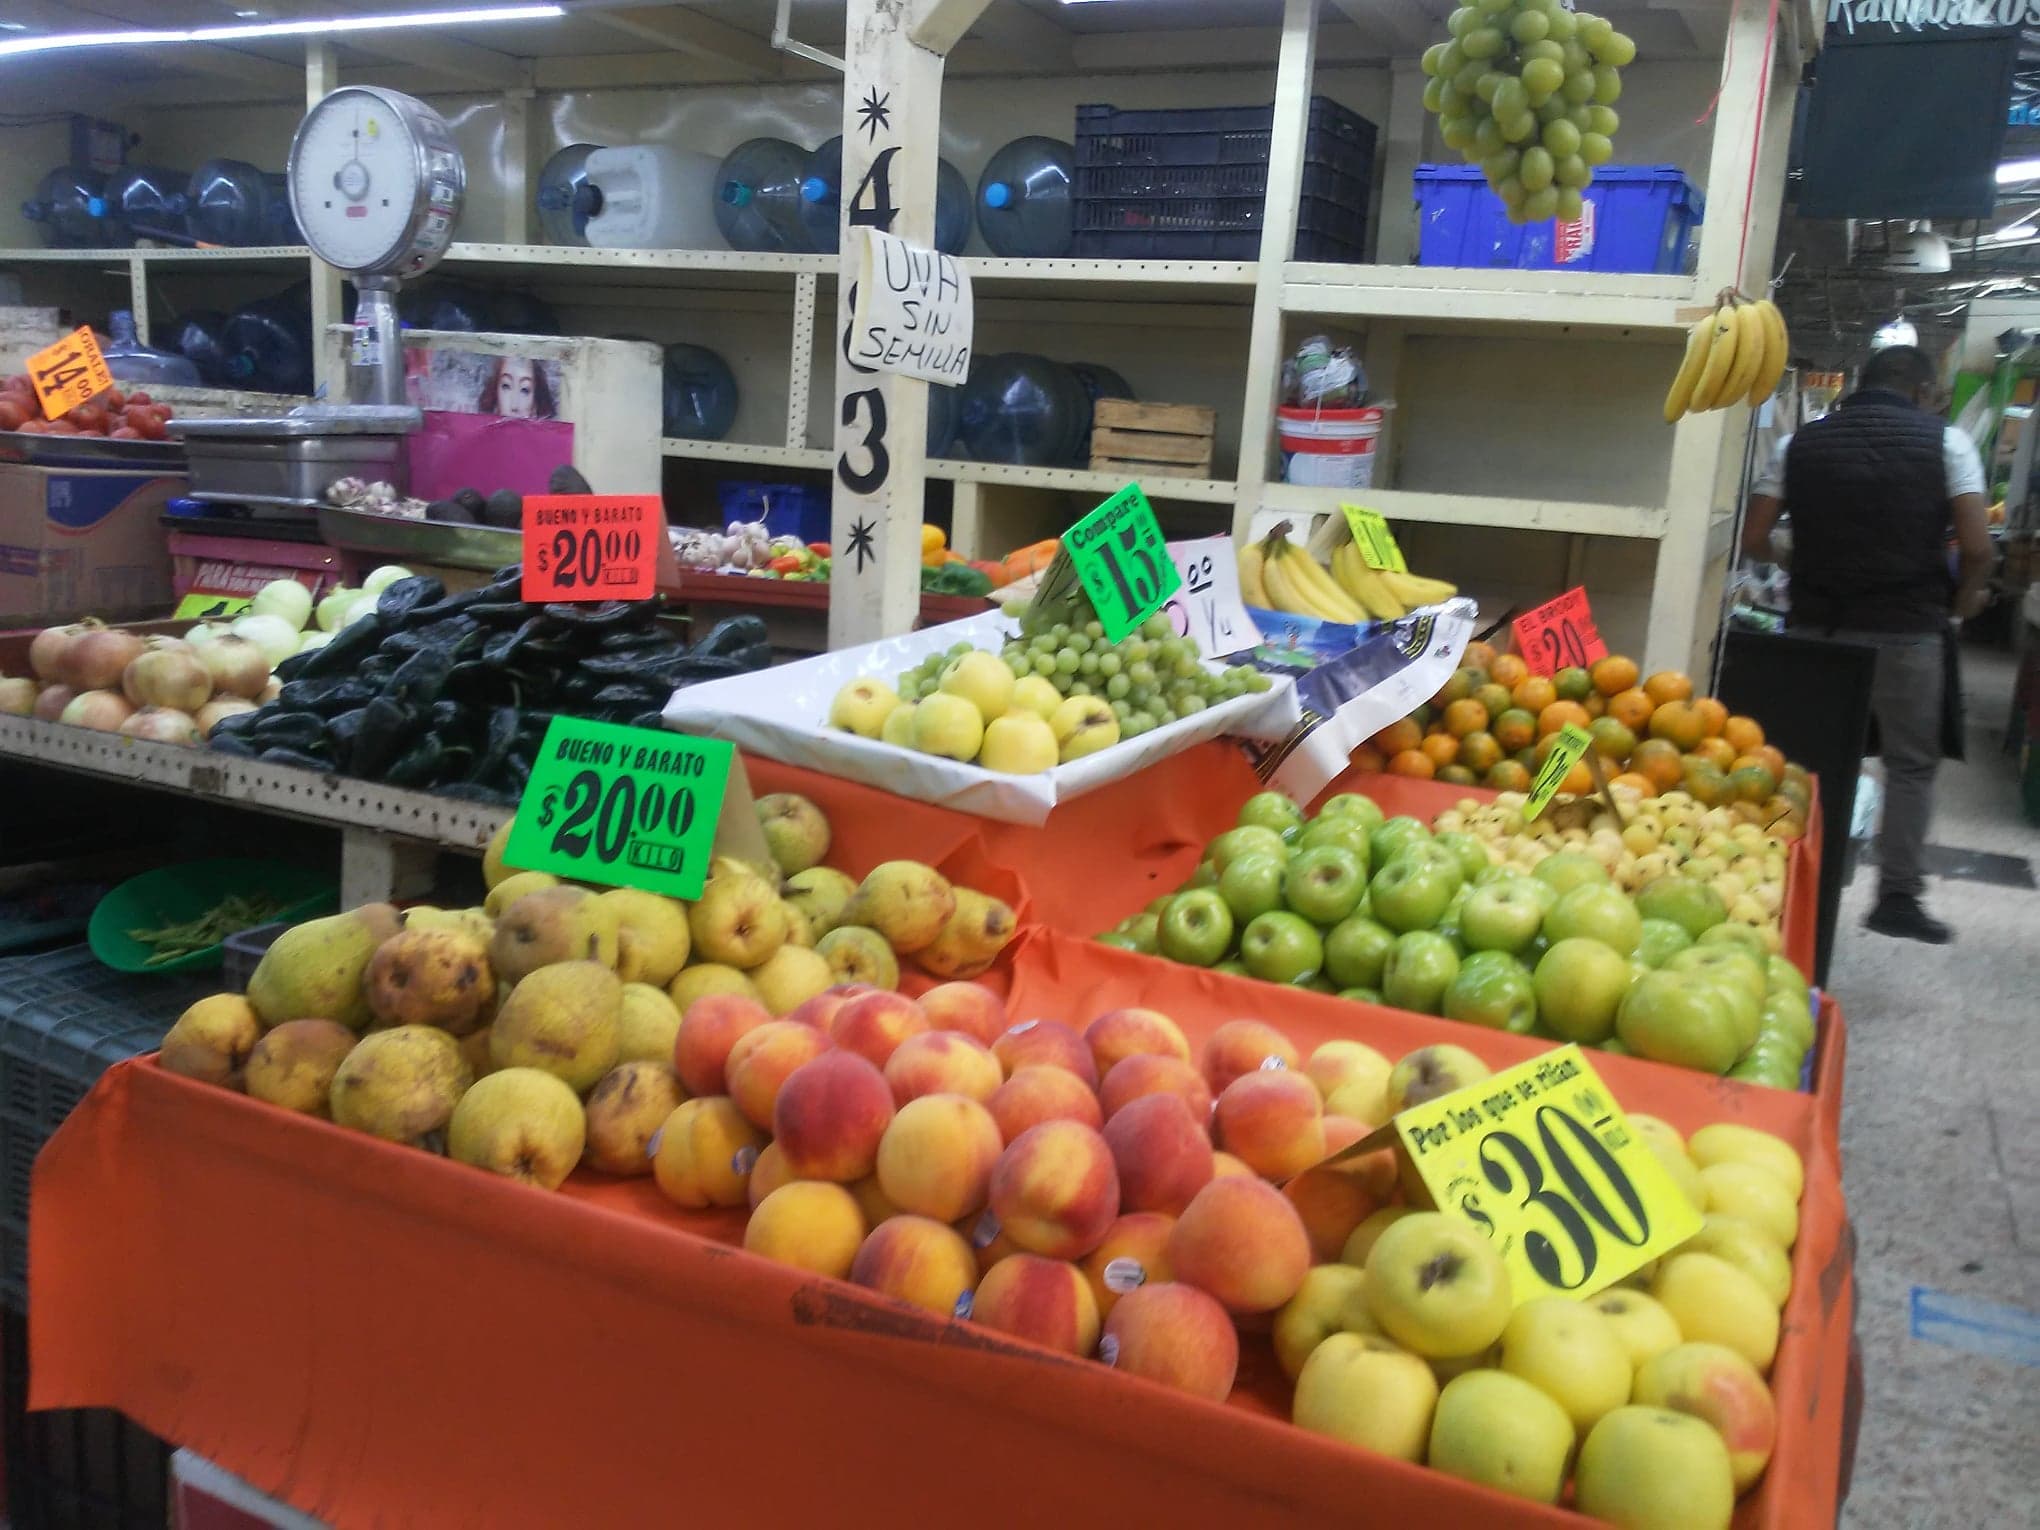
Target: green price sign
[(1123, 562), (1573, 743), (1377, 544), (626, 807)]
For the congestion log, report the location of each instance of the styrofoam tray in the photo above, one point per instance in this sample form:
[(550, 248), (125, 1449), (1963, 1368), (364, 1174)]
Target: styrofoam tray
[(781, 715)]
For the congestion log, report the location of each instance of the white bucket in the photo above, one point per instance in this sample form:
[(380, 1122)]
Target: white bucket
[(1329, 448)]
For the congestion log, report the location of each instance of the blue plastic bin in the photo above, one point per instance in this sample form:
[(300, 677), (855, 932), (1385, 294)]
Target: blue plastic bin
[(787, 509), (1644, 219)]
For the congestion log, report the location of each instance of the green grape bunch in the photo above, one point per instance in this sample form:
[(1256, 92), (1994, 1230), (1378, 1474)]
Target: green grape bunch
[(1526, 90)]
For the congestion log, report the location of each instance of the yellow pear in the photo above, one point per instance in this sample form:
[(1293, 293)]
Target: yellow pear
[(565, 1019), (856, 954), (494, 868), (554, 924), (315, 970), (293, 1065), (431, 977), (789, 977), (905, 901), (522, 1124), (506, 892), (972, 938), (705, 978), (738, 920), (625, 1111), (648, 1025), (821, 893), (652, 942), (213, 1040), (401, 1084)]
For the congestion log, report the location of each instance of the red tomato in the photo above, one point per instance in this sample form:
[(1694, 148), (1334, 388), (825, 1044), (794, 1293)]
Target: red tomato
[(139, 397), (36, 427), (14, 413), (62, 428), (125, 433), (90, 419), (149, 425)]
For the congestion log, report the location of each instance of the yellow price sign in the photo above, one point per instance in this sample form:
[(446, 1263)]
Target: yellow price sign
[(1573, 743), (69, 373), (1377, 544), (1541, 1159)]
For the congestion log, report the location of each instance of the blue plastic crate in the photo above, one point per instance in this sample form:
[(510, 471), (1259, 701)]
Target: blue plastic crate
[(1645, 218), (787, 509)]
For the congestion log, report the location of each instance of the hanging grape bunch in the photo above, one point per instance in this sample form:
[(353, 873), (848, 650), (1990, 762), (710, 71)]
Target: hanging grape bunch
[(1526, 90)]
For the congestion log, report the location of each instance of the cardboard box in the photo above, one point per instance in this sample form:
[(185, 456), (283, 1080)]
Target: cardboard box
[(78, 542)]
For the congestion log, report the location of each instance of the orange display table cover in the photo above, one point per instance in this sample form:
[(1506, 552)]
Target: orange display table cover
[(378, 1336)]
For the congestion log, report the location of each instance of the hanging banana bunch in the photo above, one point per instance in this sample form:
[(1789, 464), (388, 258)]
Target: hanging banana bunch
[(1734, 355), (1277, 575)]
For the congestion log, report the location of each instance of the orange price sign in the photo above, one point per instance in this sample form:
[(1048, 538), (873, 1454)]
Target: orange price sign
[(1560, 634), (69, 373), (590, 547)]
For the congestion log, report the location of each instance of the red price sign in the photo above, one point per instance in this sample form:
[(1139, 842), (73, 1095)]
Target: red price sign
[(591, 547), (1560, 634)]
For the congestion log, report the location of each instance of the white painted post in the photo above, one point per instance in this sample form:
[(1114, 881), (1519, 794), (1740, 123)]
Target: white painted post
[(521, 164), (1395, 228), (329, 366)]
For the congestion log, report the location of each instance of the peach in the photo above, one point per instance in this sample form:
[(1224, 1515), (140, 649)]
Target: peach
[(1224, 1164), (1161, 1152), (1045, 1044), (768, 1174), (1272, 1121), (1055, 1190), (1174, 1334), (917, 1261), (1135, 1251), (830, 1117), (1122, 1033), (970, 1008), (1377, 1170), (1147, 1073), (874, 1024), (1034, 1095), (1332, 1200), (936, 1158), (704, 1154), (712, 1025), (809, 1225), (1241, 1046), (1242, 1243), (761, 1061), (1044, 1300), (820, 1011), (871, 1198), (1338, 1062), (989, 1240), (942, 1062)]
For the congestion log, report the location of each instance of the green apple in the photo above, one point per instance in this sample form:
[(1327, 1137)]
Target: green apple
[(1472, 853), (1494, 871), (1251, 885), (1593, 911), (1543, 890), (1271, 810), (1395, 834), (1206, 875), (1492, 989), (1118, 940), (1437, 1286), (1747, 1013), (1568, 869), (1420, 967), (1686, 901), (1233, 967), (1659, 940), (1742, 937), (1773, 1071), (1579, 985), (1413, 891), (1348, 833), (1353, 805), (1502, 915), (1282, 947), (1361, 995), (1730, 963), (1786, 1015), (1317, 982), (1197, 929), (1324, 883), (1234, 843), (1145, 931), (1652, 1466), (1668, 1017), (1781, 976), (1500, 1431)]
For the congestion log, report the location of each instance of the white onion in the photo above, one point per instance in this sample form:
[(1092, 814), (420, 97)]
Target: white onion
[(276, 637), (362, 605), (332, 613), (237, 666), (219, 707), (170, 675), (102, 711), (205, 633), (163, 725), (313, 640), (95, 660), (285, 598), (51, 700), (48, 650), (384, 577), (17, 697)]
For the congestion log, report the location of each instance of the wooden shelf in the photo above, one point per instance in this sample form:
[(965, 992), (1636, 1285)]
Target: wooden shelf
[(1459, 296), (1643, 522)]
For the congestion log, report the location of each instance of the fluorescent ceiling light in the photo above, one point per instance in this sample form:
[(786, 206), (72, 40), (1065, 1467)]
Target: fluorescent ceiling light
[(2017, 170), (55, 40)]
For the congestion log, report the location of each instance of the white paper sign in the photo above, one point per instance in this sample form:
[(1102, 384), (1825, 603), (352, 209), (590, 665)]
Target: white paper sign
[(913, 313), (1208, 607)]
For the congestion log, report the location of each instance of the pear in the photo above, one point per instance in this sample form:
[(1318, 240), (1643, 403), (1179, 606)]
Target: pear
[(859, 955), (625, 1111), (473, 922), (648, 1025), (566, 1019), (705, 978), (652, 941), (213, 1040), (738, 920), (495, 869), (293, 1065), (431, 977), (315, 970), (474, 1051), (972, 939), (796, 831), (905, 901), (554, 924), (821, 893), (513, 887), (401, 1084), (790, 977), (522, 1124), (798, 931)]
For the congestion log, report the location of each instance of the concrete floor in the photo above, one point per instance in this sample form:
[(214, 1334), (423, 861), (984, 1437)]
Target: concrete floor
[(1942, 1166)]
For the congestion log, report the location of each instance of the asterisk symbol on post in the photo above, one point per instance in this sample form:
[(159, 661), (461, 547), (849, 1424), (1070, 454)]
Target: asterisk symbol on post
[(876, 110), (860, 543)]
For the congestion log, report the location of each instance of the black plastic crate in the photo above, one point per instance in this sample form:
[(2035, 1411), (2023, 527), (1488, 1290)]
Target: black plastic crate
[(1191, 183), (77, 1468), (64, 1020)]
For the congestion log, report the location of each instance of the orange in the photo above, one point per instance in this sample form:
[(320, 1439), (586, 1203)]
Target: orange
[(1631, 708), (1703, 780), (1508, 669), (1679, 723), (1613, 674), (1460, 685), (1443, 748), (1715, 751), (1611, 739), (1508, 776), (1559, 714), (1579, 780), (1641, 784), (1479, 655), (1515, 729), (1413, 762), (1668, 685), (1478, 751), (1781, 767), (1713, 715), (1399, 736), (1464, 717), (1368, 758), (1458, 775), (1657, 760), (1746, 733), (1494, 697), (1751, 783), (1596, 704), (1574, 684), (1534, 693)]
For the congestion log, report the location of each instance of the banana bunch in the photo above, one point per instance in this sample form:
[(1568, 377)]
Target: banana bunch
[(1385, 594), (1737, 353), (1295, 582)]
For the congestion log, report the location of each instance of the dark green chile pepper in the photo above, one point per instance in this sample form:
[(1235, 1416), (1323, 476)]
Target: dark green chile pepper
[(312, 695), (383, 735), (400, 601), (233, 744), (729, 635), (419, 680), (415, 766), (238, 723), (609, 616), (300, 760), (343, 732), (631, 697), (505, 724), (567, 479), (290, 730), (350, 647)]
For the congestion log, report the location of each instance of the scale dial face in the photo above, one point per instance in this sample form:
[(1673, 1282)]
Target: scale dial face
[(376, 182)]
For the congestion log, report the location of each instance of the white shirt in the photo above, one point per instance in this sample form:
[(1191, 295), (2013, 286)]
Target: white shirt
[(1963, 466)]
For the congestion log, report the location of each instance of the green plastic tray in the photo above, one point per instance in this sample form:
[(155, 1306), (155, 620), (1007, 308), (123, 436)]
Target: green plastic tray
[(174, 894)]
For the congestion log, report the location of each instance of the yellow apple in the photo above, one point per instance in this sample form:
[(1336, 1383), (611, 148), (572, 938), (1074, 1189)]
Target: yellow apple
[(948, 726), (1746, 1246), (1680, 1170), (1500, 1431), (1641, 1324), (1715, 1383), (1449, 1371), (1570, 1352), (1725, 1142), (983, 679), (1311, 1316), (1429, 1072), (898, 728), (1036, 695), (862, 706), (1713, 1302), (1437, 1286), (1337, 1063), (1360, 1242), (1649, 1127), (1653, 1469), (1084, 725), (1754, 1194), (1018, 744), (1368, 1392)]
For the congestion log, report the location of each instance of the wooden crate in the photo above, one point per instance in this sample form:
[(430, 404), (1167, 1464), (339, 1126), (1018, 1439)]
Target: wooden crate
[(1159, 440)]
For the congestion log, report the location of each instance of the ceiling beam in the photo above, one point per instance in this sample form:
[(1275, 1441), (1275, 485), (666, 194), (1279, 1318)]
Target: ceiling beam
[(1024, 39), (940, 24), (688, 31)]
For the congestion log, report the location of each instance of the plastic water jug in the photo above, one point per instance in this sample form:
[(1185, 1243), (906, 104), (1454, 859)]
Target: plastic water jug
[(566, 197), (1023, 199), (945, 408), (1022, 409), (130, 361), (149, 202), (1098, 381), (233, 203), (61, 210), (700, 394), (268, 344), (758, 196), (821, 201), (439, 303), (197, 337), (651, 197)]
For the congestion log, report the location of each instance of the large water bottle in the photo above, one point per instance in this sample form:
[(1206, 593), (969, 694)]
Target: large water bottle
[(758, 196), (1098, 381), (700, 394), (1023, 200), (233, 203), (945, 409), (566, 197), (268, 344), (821, 201), (281, 218), (149, 202), (130, 361), (1022, 409), (61, 210), (199, 337)]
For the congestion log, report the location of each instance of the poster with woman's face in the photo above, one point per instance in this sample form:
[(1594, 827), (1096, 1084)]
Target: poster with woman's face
[(468, 382)]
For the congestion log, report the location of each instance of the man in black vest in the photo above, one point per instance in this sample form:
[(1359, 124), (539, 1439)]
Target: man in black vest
[(1875, 489)]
